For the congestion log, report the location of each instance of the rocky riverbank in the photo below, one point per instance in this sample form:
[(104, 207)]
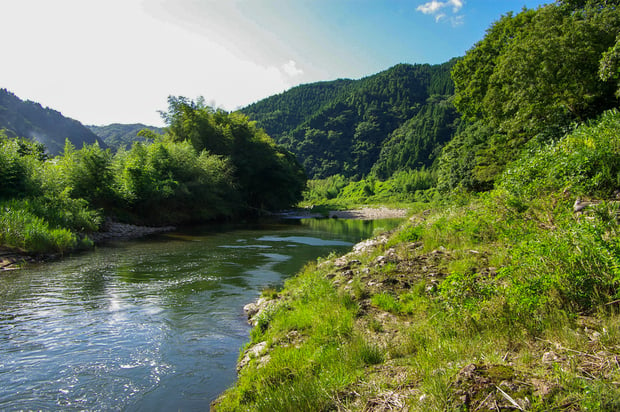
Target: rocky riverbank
[(112, 230), (366, 213), (415, 320)]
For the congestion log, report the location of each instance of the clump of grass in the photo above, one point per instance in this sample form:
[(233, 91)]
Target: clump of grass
[(269, 293), (369, 353), (23, 230), (387, 302)]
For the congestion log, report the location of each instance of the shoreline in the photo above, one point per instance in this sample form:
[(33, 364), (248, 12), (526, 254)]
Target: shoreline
[(13, 259), (364, 213)]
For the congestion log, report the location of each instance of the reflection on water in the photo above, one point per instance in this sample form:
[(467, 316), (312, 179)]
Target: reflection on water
[(148, 325)]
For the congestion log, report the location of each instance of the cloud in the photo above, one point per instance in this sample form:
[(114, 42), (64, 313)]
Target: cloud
[(431, 7), (291, 68), (438, 9)]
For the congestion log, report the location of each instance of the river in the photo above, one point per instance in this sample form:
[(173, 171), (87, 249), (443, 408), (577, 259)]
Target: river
[(149, 325)]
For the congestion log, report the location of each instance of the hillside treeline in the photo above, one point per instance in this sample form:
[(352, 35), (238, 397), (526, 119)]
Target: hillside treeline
[(355, 127), (29, 119), (209, 164), (117, 135)]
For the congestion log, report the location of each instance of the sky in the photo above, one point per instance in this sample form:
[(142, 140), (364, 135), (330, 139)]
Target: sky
[(117, 61)]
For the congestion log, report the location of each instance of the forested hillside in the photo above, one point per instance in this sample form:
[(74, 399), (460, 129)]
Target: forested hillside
[(29, 119), (533, 77), (118, 135), (340, 127)]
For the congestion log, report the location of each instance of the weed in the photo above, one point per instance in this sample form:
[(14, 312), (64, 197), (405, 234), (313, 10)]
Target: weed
[(386, 302)]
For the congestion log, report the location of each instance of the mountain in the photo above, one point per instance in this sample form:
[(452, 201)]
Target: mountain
[(29, 119), (342, 126), (118, 135)]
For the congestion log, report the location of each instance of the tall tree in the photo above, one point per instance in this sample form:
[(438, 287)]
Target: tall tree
[(268, 176)]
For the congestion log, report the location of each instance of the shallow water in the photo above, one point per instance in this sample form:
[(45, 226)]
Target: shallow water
[(154, 324)]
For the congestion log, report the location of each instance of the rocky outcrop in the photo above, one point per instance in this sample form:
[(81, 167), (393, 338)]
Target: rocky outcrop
[(112, 230)]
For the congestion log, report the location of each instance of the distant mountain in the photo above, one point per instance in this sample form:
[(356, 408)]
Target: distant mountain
[(117, 135), (29, 119), (396, 119)]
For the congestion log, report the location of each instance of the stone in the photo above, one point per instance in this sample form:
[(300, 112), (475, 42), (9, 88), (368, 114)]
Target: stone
[(252, 352)]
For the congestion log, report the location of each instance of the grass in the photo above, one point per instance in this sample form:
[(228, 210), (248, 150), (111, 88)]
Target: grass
[(504, 299)]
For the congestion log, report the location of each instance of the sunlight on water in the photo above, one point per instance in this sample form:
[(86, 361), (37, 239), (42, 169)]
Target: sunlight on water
[(146, 325)]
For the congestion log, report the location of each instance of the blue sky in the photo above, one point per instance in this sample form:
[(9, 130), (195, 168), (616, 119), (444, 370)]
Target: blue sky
[(117, 61)]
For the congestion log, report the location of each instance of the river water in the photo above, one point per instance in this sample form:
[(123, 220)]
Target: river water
[(155, 324)]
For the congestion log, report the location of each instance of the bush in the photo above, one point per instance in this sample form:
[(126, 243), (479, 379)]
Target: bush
[(585, 162), (21, 229)]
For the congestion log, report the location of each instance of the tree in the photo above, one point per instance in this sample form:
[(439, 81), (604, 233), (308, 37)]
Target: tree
[(609, 69), (548, 76), (533, 76), (471, 74), (266, 176)]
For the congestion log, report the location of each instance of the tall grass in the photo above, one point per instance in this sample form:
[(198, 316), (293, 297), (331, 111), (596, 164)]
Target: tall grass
[(23, 230)]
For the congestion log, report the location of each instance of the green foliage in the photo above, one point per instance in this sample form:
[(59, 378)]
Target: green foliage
[(402, 186), (609, 68), (580, 271), (22, 229), (209, 165), (343, 125), (531, 77), (87, 173), (471, 75), (324, 189), (417, 143), (18, 170), (267, 176), (585, 162), (171, 182), (386, 302)]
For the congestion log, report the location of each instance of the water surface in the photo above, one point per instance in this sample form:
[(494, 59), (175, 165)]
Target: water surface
[(155, 324)]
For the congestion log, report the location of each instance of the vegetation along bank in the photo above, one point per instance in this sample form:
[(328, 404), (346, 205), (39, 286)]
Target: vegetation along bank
[(501, 292), (501, 301), (208, 165)]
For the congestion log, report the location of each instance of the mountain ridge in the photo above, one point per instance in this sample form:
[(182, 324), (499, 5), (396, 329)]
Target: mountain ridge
[(25, 118)]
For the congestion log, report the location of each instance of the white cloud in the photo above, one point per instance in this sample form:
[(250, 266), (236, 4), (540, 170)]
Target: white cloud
[(456, 5), (106, 62), (437, 9), (291, 68), (431, 7)]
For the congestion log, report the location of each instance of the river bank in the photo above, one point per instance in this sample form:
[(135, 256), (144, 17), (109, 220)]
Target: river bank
[(11, 259), (365, 213), (435, 316)]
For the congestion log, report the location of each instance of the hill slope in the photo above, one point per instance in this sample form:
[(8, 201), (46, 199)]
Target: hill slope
[(340, 127), (29, 119), (116, 135)]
